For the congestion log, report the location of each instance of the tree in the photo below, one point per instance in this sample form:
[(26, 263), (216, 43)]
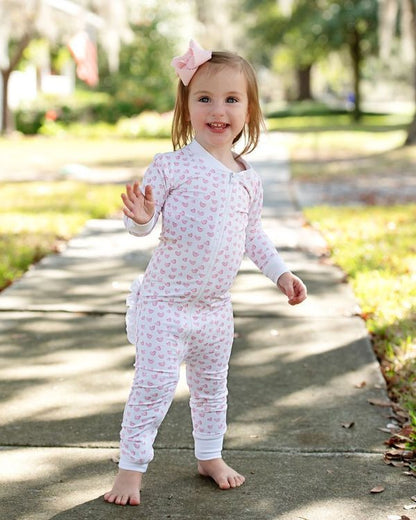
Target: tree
[(289, 26), (398, 21), (411, 134), (352, 24), (144, 77), (313, 29), (21, 21)]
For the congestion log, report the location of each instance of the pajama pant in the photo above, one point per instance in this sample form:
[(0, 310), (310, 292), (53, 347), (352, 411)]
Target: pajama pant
[(198, 333)]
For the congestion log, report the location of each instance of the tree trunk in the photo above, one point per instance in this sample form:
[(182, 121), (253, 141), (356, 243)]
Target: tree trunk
[(356, 57), (5, 113), (304, 83), (411, 133)]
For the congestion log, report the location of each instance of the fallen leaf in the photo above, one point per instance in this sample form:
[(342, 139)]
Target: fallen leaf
[(348, 425), (385, 430), (408, 454), (377, 489), (394, 453), (360, 385), (380, 402)]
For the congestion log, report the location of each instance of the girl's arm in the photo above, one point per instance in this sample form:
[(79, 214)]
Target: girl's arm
[(142, 205), (262, 251), (259, 248)]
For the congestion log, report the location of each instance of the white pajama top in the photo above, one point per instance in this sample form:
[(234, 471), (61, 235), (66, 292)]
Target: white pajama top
[(211, 217)]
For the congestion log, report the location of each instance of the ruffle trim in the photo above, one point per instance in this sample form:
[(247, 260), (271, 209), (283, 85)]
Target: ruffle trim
[(132, 302)]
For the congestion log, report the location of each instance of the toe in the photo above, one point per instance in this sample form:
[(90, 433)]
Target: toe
[(119, 500), (223, 483), (134, 500)]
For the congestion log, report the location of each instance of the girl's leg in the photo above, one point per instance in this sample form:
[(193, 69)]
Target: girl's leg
[(207, 371), (158, 356)]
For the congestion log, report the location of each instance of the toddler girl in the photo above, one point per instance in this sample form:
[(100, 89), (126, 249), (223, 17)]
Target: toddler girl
[(180, 310)]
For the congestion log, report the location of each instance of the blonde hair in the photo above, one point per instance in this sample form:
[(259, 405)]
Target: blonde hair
[(182, 132)]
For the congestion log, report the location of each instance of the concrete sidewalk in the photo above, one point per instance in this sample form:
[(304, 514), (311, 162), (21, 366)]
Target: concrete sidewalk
[(296, 380)]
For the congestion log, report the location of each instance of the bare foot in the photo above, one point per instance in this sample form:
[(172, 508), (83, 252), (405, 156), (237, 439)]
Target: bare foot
[(219, 471), (126, 488)]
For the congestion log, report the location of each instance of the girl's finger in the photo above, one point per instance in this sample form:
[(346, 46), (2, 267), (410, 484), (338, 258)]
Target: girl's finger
[(136, 189), (128, 213), (127, 202), (148, 193)]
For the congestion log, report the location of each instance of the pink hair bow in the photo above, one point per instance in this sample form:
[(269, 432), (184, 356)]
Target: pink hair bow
[(185, 66)]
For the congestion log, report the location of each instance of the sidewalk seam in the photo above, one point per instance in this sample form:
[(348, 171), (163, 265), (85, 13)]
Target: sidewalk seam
[(282, 451)]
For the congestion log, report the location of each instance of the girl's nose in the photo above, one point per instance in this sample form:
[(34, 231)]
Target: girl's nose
[(218, 108)]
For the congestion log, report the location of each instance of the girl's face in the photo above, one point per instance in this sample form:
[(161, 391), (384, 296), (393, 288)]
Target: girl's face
[(218, 106)]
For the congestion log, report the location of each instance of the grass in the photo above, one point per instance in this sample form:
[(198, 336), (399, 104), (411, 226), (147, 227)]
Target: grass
[(36, 218), (50, 155), (376, 247), (326, 154), (338, 122)]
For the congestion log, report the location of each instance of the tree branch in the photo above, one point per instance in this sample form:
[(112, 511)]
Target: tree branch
[(24, 42)]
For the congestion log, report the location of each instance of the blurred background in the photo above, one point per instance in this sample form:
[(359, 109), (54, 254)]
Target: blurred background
[(103, 62)]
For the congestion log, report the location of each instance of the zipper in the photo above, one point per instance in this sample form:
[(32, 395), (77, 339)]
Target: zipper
[(219, 241)]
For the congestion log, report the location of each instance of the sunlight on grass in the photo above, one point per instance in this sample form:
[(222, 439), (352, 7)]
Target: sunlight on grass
[(376, 247), (337, 122), (317, 147), (52, 154), (36, 217)]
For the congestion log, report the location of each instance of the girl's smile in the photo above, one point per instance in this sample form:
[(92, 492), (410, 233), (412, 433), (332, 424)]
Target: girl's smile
[(218, 108)]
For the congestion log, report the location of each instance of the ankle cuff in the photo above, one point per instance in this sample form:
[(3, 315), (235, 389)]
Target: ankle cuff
[(208, 448), (132, 466)]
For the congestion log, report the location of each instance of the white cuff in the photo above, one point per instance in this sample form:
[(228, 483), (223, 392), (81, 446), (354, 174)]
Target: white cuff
[(274, 269), (139, 230), (208, 448), (131, 466)]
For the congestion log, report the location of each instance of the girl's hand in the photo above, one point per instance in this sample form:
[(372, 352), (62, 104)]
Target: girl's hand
[(137, 206), (293, 287)]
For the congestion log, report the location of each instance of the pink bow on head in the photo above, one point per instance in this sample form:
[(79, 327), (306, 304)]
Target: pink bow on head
[(185, 66)]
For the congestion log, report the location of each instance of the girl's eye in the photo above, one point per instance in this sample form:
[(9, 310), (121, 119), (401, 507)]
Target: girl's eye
[(203, 99), (232, 100)]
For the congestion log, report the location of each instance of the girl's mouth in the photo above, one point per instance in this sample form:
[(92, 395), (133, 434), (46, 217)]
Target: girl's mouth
[(218, 126)]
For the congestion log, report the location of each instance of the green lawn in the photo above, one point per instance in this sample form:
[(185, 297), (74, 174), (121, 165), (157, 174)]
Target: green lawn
[(36, 218), (50, 155)]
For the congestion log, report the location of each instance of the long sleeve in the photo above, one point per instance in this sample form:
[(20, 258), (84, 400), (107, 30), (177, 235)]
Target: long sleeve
[(258, 247), (156, 177)]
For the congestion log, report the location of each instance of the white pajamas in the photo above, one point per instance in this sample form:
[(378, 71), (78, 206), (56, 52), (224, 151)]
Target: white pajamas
[(180, 310)]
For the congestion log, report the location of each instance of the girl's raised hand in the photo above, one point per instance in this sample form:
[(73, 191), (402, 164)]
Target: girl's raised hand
[(137, 206)]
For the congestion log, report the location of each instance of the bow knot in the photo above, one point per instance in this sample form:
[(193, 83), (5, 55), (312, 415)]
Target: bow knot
[(186, 65)]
